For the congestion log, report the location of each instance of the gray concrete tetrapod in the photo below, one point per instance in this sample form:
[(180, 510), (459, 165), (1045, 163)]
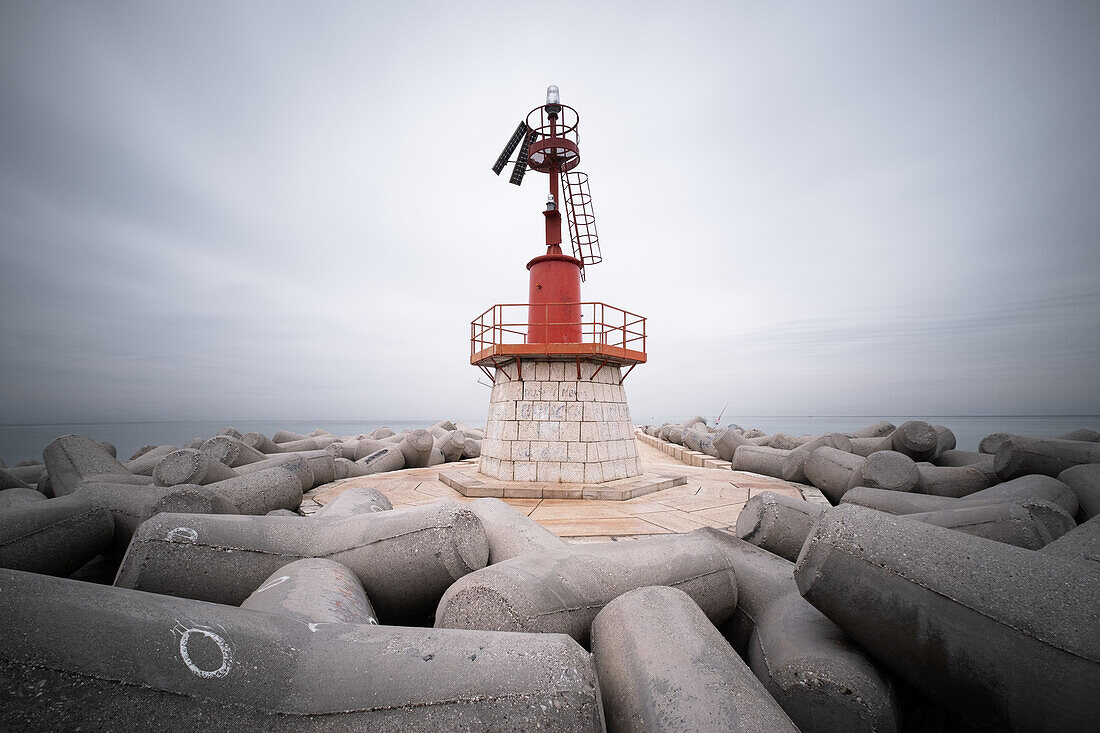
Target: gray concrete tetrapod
[(451, 445), (726, 443), (1001, 635), (888, 469), (189, 466), (121, 660), (561, 591), (131, 505), (1081, 543), (955, 481), (1020, 456), (55, 537), (387, 459), (510, 532), (866, 446), (261, 491), (144, 464), (9, 480), (292, 462), (231, 451), (958, 458), (1039, 487), (795, 461), (380, 433), (760, 459), (472, 448), (1084, 481), (261, 442), (417, 448), (664, 667), (286, 436), (821, 678), (313, 590), (405, 558), (354, 501), (915, 438), (993, 441), (1028, 523), (784, 441), (778, 523), (833, 471), (18, 495), (71, 459)]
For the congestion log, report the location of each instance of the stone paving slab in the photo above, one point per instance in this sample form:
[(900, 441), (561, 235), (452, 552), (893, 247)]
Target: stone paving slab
[(472, 483), (710, 497)]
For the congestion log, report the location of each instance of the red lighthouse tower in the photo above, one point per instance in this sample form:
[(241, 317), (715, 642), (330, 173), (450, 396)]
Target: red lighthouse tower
[(558, 411)]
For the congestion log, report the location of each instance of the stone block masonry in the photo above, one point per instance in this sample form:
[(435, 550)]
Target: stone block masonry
[(551, 426)]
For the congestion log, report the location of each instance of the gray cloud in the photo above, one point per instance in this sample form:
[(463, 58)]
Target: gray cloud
[(268, 210)]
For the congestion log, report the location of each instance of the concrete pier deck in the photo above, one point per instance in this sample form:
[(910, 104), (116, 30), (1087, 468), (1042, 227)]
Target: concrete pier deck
[(712, 497)]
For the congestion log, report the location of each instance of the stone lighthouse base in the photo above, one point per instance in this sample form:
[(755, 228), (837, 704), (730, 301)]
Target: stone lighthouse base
[(558, 429), (559, 421)]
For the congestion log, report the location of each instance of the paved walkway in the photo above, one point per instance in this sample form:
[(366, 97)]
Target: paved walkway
[(712, 497)]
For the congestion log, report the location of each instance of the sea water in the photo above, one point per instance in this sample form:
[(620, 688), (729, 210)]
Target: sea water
[(27, 441)]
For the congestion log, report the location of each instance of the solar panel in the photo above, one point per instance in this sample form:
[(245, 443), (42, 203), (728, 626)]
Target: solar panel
[(510, 147), (521, 161)]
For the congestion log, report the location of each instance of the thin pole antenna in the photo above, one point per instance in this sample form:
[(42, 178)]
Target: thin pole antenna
[(720, 414)]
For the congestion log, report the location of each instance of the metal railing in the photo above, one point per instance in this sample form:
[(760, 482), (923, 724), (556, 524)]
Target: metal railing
[(507, 324)]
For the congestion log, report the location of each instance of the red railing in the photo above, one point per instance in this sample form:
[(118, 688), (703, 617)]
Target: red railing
[(605, 330)]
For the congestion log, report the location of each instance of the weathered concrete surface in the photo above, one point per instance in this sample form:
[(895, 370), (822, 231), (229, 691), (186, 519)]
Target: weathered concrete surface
[(760, 459), (794, 462), (261, 491), (833, 471), (313, 590), (261, 442), (417, 448), (777, 523), (888, 470), (404, 558), (189, 466), (391, 458), (292, 462), (562, 591), (1020, 456), (129, 506), (1001, 635), (54, 537), (231, 451), (1023, 523), (1081, 543), (1037, 487), (355, 501), (878, 430), (144, 464), (71, 459), (821, 678), (16, 496), (110, 659), (510, 532), (1084, 481), (664, 667), (954, 481)]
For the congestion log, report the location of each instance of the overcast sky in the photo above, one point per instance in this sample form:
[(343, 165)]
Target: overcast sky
[(265, 210)]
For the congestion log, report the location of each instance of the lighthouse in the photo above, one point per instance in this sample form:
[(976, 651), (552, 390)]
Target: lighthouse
[(558, 411)]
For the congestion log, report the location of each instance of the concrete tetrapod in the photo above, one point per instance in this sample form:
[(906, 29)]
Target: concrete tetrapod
[(144, 464), (1081, 543), (954, 481), (292, 462), (561, 591), (261, 491), (510, 532), (231, 451), (261, 442), (131, 505), (71, 459), (915, 438), (820, 677), (1084, 480), (726, 443), (795, 461), (1026, 523), (1001, 635), (405, 558), (1043, 488), (17, 495), (417, 448), (121, 660), (664, 667), (391, 458), (313, 590), (189, 466), (354, 501), (1020, 456), (55, 537), (833, 471), (888, 469), (760, 459), (777, 523), (880, 429)]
